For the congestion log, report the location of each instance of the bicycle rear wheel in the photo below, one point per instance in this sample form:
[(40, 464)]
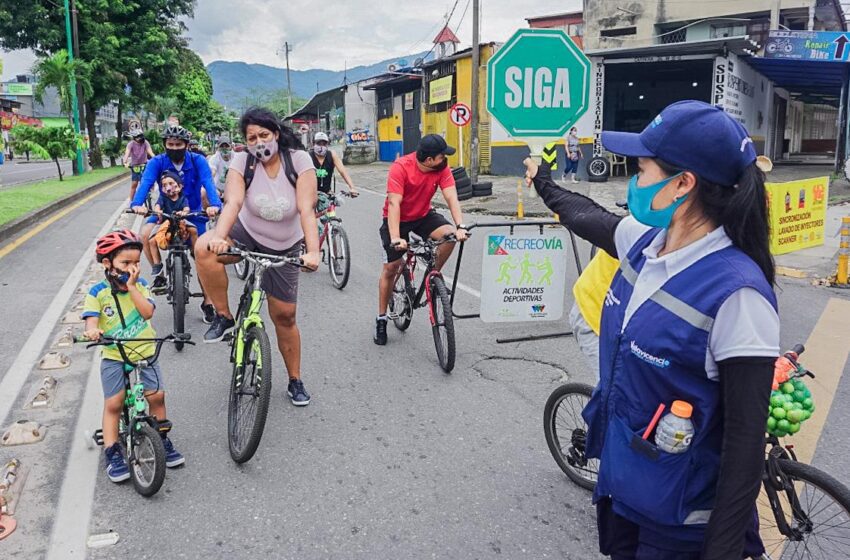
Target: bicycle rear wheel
[(819, 522), (178, 296), (401, 304), (147, 464), (250, 391), (566, 433), (442, 324), (339, 260)]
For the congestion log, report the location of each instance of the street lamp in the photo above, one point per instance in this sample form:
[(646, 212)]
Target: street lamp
[(74, 106)]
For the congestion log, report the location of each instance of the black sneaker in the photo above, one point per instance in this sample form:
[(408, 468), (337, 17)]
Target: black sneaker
[(159, 282), (380, 337), (297, 392), (220, 327), (209, 313)]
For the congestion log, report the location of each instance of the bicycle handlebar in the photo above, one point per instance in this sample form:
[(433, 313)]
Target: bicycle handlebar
[(263, 259), (184, 338), (170, 216), (430, 243)]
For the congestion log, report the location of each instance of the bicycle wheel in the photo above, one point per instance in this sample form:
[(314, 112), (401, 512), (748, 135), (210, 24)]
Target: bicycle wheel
[(178, 296), (250, 391), (242, 268), (442, 324), (401, 304), (566, 432), (339, 260), (819, 524), (147, 464)]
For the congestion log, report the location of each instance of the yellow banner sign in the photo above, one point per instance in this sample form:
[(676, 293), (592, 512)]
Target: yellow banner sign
[(797, 214), (440, 91)]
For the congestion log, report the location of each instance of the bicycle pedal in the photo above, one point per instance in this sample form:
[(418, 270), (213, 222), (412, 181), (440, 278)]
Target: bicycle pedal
[(228, 337), (159, 291), (97, 437), (164, 426), (197, 294)]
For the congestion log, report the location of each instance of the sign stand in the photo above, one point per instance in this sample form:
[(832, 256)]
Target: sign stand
[(512, 225)]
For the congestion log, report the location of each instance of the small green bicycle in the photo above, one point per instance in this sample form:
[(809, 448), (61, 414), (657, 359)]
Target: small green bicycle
[(143, 444), (250, 354)]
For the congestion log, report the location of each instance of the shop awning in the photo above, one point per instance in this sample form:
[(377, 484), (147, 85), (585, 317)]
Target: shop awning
[(320, 104), (737, 45), (803, 78)]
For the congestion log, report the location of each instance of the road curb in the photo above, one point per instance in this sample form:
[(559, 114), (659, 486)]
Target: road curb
[(8, 230)]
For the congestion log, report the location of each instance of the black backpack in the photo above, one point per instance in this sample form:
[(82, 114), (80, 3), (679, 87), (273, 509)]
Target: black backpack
[(251, 167)]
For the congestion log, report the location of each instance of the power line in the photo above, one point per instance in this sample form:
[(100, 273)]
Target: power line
[(462, 16), (448, 19)]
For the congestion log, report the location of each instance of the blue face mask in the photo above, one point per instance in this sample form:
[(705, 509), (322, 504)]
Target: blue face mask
[(120, 277), (640, 203)]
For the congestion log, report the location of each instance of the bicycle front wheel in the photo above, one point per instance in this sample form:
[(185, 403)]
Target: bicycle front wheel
[(442, 324), (178, 297), (816, 510), (566, 433), (339, 261), (147, 461), (242, 269), (250, 391)]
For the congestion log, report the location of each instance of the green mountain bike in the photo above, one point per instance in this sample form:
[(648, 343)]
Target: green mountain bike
[(250, 354)]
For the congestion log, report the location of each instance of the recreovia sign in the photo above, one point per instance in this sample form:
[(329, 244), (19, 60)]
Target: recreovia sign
[(523, 276), (538, 83)]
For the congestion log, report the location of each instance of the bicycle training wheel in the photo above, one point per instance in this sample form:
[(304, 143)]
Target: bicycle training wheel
[(401, 305), (250, 391), (819, 524), (147, 463), (566, 433), (442, 324), (339, 260), (178, 297), (242, 267)]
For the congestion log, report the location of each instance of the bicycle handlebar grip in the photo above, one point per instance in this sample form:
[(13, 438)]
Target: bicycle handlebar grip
[(798, 349)]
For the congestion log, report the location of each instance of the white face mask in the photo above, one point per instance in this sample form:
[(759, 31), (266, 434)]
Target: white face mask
[(263, 151), (320, 150)]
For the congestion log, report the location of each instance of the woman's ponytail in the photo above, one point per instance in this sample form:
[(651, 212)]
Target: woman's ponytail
[(288, 140)]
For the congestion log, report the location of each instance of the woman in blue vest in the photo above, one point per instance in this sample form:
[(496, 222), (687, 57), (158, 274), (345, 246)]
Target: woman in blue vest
[(691, 315)]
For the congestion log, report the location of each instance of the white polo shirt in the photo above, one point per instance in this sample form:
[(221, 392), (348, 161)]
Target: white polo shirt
[(746, 324)]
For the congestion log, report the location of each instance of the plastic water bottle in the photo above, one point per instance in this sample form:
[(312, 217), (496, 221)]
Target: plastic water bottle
[(675, 430)]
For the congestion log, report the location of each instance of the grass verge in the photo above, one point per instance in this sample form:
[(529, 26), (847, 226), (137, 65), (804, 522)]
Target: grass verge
[(22, 199)]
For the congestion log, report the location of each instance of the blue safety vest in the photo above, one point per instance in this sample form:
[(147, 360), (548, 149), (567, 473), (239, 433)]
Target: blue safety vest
[(658, 358)]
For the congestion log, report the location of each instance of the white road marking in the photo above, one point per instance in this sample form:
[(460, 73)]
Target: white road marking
[(19, 371), (73, 512)]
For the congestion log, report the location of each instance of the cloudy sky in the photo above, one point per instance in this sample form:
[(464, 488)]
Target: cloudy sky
[(331, 33)]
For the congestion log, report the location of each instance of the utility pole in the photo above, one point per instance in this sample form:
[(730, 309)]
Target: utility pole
[(476, 106), (774, 14), (288, 81), (76, 35), (75, 110)]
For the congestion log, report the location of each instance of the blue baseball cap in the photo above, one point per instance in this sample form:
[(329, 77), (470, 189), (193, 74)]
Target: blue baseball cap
[(694, 136)]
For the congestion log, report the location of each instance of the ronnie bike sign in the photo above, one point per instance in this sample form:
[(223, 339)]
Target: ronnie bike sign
[(523, 276)]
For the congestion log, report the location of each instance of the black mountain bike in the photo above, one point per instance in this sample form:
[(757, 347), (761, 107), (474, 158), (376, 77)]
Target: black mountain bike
[(432, 292), (803, 512), (178, 272)]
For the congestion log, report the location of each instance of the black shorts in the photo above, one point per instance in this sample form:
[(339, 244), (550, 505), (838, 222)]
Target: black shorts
[(422, 227)]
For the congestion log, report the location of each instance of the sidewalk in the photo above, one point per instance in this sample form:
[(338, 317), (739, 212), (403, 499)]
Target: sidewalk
[(817, 262)]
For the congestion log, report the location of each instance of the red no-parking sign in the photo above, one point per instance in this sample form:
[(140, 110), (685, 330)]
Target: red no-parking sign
[(460, 114)]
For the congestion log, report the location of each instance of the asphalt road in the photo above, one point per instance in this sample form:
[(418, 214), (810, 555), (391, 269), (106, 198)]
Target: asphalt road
[(16, 172), (393, 458)]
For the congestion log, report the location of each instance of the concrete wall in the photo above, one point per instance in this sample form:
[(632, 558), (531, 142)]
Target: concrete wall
[(360, 109), (645, 16)]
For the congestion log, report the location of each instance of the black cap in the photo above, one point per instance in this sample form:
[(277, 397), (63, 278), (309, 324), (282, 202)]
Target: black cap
[(433, 145)]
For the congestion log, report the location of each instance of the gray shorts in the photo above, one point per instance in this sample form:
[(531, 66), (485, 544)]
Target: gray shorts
[(112, 378), (280, 282)]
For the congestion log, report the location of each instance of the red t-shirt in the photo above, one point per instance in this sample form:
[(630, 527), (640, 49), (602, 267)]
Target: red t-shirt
[(416, 187)]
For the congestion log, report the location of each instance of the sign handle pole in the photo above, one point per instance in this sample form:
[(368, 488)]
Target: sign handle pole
[(460, 144)]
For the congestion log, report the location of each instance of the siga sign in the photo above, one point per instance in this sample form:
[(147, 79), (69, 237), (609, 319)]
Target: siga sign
[(822, 46), (538, 83), (523, 276), (797, 214), (460, 114)]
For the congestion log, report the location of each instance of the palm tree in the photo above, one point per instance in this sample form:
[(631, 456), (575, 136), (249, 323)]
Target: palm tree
[(55, 71)]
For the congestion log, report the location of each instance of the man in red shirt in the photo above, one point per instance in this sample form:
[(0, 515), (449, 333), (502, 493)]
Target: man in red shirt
[(411, 184)]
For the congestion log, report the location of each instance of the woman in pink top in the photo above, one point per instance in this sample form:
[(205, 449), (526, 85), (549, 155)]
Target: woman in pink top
[(272, 216)]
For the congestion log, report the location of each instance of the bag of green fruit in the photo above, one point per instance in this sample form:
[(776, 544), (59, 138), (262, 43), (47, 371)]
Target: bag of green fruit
[(791, 401)]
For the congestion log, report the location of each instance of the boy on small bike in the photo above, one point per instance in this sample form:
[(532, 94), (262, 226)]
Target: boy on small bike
[(172, 201), (121, 307)]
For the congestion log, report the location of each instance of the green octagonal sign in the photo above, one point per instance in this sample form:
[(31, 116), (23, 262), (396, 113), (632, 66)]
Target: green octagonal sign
[(538, 83)]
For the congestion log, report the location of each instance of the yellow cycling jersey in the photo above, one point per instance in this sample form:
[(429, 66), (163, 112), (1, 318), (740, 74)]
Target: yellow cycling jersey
[(591, 287)]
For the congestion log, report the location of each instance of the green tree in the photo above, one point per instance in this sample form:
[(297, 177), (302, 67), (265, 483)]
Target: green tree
[(132, 47), (55, 71), (112, 148), (53, 143)]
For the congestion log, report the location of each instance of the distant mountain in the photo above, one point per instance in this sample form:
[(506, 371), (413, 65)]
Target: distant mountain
[(233, 82)]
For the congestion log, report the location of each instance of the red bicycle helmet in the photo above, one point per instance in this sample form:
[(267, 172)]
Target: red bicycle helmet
[(114, 240)]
